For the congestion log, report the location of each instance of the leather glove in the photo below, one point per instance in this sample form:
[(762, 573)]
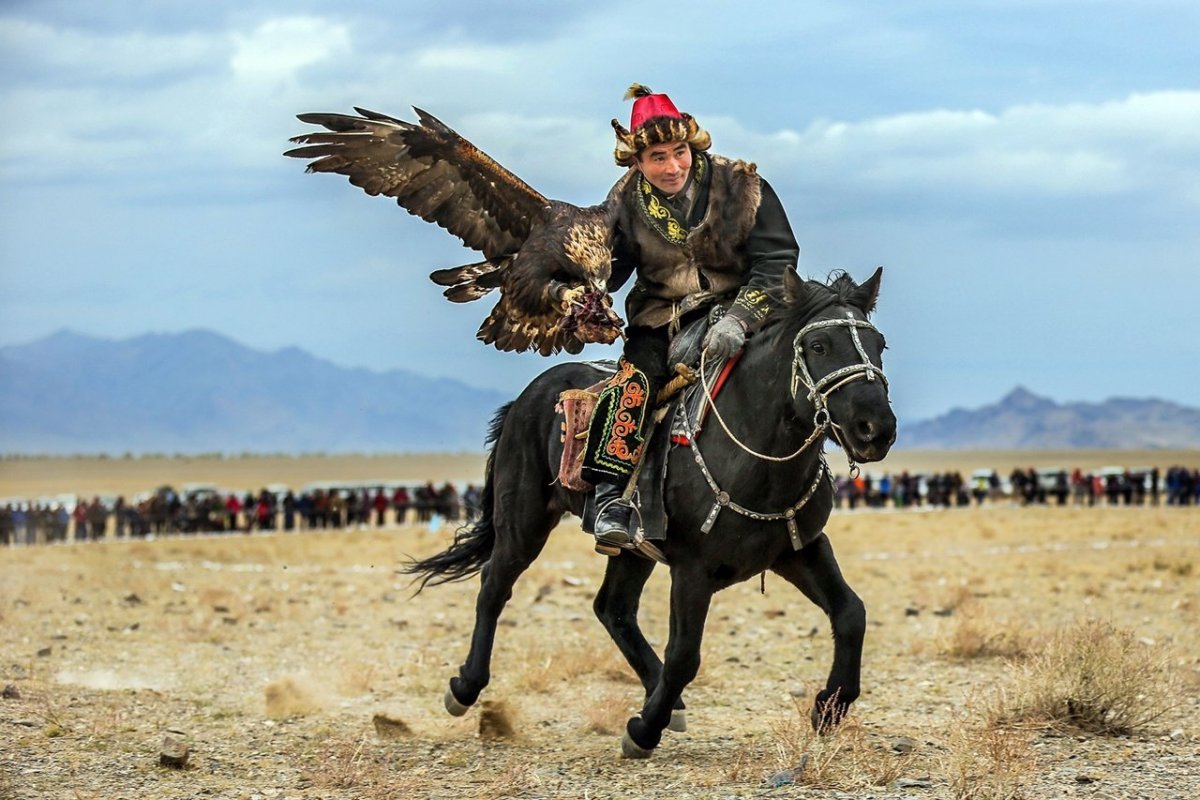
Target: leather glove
[(725, 339)]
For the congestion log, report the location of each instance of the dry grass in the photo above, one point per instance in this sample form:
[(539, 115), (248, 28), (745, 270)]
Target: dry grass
[(987, 763), (608, 713), (514, 780), (363, 768), (1093, 677), (329, 610), (975, 633), (844, 756), (546, 668), (1175, 563)]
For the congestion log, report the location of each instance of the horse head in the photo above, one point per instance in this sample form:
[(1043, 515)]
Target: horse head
[(837, 361)]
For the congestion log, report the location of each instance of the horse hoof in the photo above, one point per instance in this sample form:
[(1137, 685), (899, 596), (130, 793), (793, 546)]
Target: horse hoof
[(631, 749), (455, 708), (678, 721)]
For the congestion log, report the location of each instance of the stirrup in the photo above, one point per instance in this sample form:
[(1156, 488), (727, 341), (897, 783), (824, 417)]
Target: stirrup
[(612, 542), (607, 547)]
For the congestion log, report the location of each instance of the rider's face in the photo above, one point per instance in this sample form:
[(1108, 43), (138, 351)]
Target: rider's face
[(666, 166)]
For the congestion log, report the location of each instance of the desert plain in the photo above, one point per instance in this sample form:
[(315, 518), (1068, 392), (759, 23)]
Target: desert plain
[(301, 665)]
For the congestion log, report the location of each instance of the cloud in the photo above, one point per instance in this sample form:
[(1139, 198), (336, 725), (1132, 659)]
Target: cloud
[(1078, 149), (42, 55), (197, 108), (278, 49), (1074, 168), (468, 57)]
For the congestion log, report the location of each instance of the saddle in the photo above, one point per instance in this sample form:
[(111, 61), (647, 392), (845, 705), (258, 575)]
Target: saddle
[(680, 401)]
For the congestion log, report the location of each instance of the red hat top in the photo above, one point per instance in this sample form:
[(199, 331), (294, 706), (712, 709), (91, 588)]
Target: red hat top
[(655, 120), (647, 106)]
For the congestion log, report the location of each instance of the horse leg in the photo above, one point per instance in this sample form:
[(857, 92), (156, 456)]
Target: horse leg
[(518, 543), (616, 605), (814, 571), (690, 599)]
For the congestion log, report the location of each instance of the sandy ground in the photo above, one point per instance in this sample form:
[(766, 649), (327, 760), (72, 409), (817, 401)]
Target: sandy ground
[(88, 476), (272, 655)]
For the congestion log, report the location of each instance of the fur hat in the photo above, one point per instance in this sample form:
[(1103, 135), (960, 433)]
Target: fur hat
[(655, 120)]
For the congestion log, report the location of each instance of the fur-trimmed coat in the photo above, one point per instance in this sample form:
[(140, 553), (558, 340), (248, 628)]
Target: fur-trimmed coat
[(738, 235)]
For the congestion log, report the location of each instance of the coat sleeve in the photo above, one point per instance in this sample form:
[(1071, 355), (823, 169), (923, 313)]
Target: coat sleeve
[(624, 263), (625, 260), (771, 249)]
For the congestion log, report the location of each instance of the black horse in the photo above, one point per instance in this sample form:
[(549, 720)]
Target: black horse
[(814, 369)]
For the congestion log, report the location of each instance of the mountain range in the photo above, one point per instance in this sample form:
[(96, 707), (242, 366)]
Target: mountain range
[(1024, 421), (200, 392)]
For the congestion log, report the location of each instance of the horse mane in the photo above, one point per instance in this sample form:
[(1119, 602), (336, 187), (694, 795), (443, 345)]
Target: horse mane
[(796, 312)]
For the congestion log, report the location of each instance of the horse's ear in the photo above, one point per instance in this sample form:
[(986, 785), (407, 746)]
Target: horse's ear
[(866, 293), (794, 290)]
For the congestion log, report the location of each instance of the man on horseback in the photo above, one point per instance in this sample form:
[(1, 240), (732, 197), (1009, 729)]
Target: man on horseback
[(698, 230)]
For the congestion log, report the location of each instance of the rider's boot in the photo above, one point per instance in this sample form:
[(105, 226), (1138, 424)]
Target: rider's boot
[(612, 519)]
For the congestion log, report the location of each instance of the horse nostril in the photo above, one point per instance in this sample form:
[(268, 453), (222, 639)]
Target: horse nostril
[(866, 430)]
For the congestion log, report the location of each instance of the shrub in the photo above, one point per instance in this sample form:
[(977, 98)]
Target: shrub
[(1093, 677)]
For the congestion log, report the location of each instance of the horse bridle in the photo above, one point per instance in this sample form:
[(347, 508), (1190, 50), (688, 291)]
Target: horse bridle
[(819, 392)]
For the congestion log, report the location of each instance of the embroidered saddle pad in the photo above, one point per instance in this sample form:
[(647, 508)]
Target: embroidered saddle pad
[(680, 406)]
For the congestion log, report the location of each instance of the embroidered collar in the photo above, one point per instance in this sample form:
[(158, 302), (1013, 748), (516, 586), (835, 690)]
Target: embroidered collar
[(658, 214)]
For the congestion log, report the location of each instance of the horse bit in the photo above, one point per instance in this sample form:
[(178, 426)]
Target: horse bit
[(818, 394)]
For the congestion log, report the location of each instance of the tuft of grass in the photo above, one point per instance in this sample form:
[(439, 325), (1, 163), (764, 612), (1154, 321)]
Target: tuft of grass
[(515, 780), (1177, 565), (353, 764), (843, 756), (977, 635), (543, 670), (1093, 677), (987, 763), (608, 713)]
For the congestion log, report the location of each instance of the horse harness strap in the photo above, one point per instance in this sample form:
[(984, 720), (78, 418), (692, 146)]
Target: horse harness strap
[(818, 394), (788, 515)]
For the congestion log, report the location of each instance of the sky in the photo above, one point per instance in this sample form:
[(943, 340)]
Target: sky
[(1026, 171)]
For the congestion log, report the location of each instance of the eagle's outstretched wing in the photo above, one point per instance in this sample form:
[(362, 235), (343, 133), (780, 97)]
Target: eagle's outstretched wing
[(431, 171), (550, 260)]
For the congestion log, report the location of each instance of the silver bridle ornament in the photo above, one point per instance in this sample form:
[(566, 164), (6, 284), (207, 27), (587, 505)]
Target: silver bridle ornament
[(820, 390)]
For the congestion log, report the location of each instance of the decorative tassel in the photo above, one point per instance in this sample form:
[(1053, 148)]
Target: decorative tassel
[(637, 90)]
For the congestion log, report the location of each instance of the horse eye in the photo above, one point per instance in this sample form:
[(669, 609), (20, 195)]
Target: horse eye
[(818, 348)]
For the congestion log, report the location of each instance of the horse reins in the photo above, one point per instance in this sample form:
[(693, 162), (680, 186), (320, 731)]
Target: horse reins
[(818, 394)]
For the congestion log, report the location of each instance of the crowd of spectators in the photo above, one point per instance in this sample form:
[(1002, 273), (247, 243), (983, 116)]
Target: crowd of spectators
[(169, 511), (1177, 486)]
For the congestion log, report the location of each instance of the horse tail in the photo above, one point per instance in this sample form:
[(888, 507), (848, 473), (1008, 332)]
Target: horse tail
[(474, 541)]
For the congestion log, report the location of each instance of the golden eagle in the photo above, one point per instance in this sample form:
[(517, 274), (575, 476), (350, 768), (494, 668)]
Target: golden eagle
[(551, 260)]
